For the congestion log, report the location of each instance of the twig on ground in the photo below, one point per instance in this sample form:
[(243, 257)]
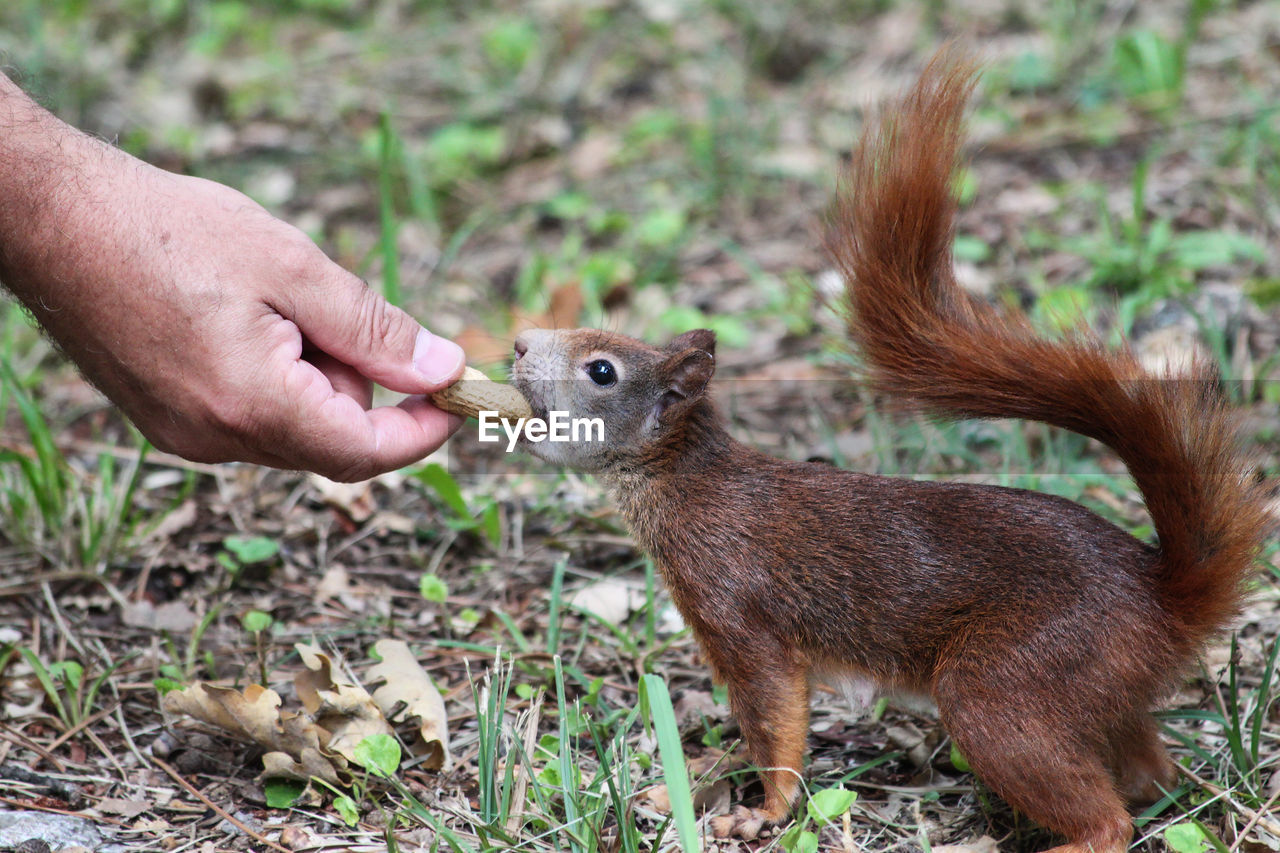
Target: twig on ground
[(128, 736), (223, 813), (1255, 818), (27, 804), (1253, 821), (85, 723), (17, 737)]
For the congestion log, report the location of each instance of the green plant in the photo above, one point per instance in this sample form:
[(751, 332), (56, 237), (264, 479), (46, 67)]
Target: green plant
[(282, 793), (1152, 69), (463, 150), (65, 686), (485, 517), (555, 605), (496, 787), (541, 783), (655, 701), (1146, 259), (605, 249), (389, 153), (7, 653), (1223, 348), (242, 552), (344, 803), (1241, 719), (378, 755), (1271, 558), (181, 668), (73, 517), (510, 43), (432, 588), (822, 808), (731, 332), (720, 148), (258, 623), (1190, 836)]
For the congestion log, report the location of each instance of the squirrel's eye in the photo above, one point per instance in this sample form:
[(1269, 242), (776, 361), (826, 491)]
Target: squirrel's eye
[(602, 373)]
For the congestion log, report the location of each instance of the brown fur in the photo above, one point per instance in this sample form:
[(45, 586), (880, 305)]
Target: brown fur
[(1043, 632)]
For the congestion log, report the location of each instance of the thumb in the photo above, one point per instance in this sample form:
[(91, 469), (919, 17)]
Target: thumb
[(342, 316)]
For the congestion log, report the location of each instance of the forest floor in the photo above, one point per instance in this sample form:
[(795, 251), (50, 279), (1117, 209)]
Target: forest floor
[(649, 167)]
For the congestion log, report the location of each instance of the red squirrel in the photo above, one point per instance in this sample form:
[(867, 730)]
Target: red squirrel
[(1043, 633)]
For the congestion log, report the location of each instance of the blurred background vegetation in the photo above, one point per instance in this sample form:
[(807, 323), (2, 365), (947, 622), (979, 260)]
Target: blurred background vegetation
[(671, 160), (643, 165), (658, 165)]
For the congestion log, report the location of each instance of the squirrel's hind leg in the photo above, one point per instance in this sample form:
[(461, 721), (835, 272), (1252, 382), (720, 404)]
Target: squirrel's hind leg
[(1032, 758), (770, 699), (1139, 761)]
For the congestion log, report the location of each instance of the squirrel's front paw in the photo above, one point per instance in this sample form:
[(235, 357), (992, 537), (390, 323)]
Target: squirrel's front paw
[(742, 823)]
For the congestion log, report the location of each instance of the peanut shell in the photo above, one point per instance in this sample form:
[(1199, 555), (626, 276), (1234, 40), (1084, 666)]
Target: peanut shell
[(475, 393)]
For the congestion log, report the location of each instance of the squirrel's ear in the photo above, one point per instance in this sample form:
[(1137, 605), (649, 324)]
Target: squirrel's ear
[(703, 339), (685, 376)]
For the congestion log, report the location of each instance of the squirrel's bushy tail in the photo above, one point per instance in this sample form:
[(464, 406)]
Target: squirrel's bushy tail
[(932, 346)]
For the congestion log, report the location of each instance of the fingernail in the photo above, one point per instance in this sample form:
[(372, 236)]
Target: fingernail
[(436, 358)]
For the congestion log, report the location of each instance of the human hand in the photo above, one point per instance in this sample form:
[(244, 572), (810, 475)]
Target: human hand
[(223, 333)]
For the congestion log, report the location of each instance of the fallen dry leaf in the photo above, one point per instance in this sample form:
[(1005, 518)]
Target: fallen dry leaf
[(393, 522), (695, 706), (334, 583), (1170, 351), (709, 775), (253, 715), (125, 808), (915, 743), (985, 844), (592, 156), (715, 797), (482, 346), (14, 711), (659, 799), (356, 500), (177, 520), (345, 711), (564, 311), (407, 692), (297, 838), (312, 762), (612, 600), (173, 616), (337, 715)]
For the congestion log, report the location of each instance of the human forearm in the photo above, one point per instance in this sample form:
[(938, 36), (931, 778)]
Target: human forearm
[(57, 214), (78, 242)]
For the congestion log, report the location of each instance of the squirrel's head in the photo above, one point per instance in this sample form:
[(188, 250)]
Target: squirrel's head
[(641, 395)]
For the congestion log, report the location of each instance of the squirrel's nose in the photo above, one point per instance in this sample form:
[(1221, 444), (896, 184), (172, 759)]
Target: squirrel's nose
[(521, 347)]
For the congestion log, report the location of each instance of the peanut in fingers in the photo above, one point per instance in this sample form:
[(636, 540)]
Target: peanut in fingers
[(475, 393)]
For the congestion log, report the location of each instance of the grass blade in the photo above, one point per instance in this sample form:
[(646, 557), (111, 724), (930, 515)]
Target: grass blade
[(568, 768), (388, 154), (654, 696)]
